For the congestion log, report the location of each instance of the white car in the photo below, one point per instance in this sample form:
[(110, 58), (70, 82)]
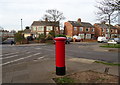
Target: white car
[(77, 38), (102, 39), (114, 41)]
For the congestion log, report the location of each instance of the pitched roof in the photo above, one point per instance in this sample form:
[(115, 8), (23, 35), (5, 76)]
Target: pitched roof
[(106, 26), (102, 25), (45, 23), (80, 24), (27, 31)]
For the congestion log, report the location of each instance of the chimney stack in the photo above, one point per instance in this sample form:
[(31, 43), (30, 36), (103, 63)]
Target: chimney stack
[(46, 19), (103, 22), (79, 20)]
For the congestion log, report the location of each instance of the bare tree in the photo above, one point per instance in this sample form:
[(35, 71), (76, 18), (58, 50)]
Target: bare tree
[(107, 12), (53, 15), (116, 5)]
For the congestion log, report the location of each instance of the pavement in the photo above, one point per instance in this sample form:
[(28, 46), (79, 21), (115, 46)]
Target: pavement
[(31, 72), (97, 46)]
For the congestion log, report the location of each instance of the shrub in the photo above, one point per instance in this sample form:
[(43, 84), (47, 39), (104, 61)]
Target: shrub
[(19, 37), (41, 38), (60, 35)]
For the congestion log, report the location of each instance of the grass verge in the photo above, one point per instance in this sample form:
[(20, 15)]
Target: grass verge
[(111, 64), (63, 80), (111, 46)]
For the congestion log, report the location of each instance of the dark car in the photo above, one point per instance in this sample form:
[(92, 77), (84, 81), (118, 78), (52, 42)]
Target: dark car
[(9, 41), (67, 41)]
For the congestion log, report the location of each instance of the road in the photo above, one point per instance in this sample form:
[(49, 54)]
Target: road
[(31, 63), (24, 53)]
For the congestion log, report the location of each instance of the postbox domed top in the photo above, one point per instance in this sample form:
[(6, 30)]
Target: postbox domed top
[(60, 38)]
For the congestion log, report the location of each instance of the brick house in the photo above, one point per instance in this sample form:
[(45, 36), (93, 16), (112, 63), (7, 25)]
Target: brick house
[(83, 29), (118, 27), (44, 27), (102, 29)]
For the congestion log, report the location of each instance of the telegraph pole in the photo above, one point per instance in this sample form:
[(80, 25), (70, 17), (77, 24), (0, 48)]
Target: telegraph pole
[(21, 25), (119, 12)]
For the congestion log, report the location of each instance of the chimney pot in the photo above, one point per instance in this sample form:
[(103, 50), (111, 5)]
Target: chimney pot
[(79, 20)]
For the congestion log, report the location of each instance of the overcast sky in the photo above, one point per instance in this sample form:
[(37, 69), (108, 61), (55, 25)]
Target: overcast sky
[(12, 11)]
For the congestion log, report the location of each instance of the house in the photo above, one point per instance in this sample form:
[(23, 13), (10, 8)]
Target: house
[(118, 27), (83, 29), (44, 27), (6, 34), (102, 29), (27, 32)]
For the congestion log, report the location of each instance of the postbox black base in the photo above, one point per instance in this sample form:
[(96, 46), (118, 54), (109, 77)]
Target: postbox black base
[(60, 71)]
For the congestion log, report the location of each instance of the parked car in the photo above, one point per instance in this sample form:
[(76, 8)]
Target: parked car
[(114, 41), (67, 41), (76, 38), (8, 41), (102, 39), (70, 39)]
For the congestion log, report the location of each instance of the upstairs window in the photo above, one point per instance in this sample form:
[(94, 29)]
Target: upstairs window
[(34, 28), (81, 29), (41, 28), (87, 29), (93, 29), (75, 28), (103, 30), (112, 31), (107, 30)]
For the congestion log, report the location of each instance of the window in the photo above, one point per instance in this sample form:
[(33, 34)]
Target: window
[(111, 31), (88, 36), (81, 29), (57, 29), (102, 29), (107, 30), (49, 28), (116, 31), (41, 28), (75, 28), (87, 29), (34, 28), (93, 29), (82, 36)]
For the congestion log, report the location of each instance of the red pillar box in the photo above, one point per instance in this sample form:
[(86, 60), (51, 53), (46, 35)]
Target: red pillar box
[(60, 55)]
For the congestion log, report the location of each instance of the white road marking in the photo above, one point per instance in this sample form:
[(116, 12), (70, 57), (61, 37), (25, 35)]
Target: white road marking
[(28, 52), (36, 54), (20, 59), (10, 54), (40, 57), (37, 48), (9, 57)]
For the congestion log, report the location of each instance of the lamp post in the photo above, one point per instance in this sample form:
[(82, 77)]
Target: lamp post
[(21, 25), (119, 12)]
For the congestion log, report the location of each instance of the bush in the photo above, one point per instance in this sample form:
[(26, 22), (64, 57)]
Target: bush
[(52, 33), (20, 38), (41, 38), (60, 35)]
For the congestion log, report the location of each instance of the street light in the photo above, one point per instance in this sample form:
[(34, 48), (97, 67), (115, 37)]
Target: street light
[(21, 25), (119, 12)]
